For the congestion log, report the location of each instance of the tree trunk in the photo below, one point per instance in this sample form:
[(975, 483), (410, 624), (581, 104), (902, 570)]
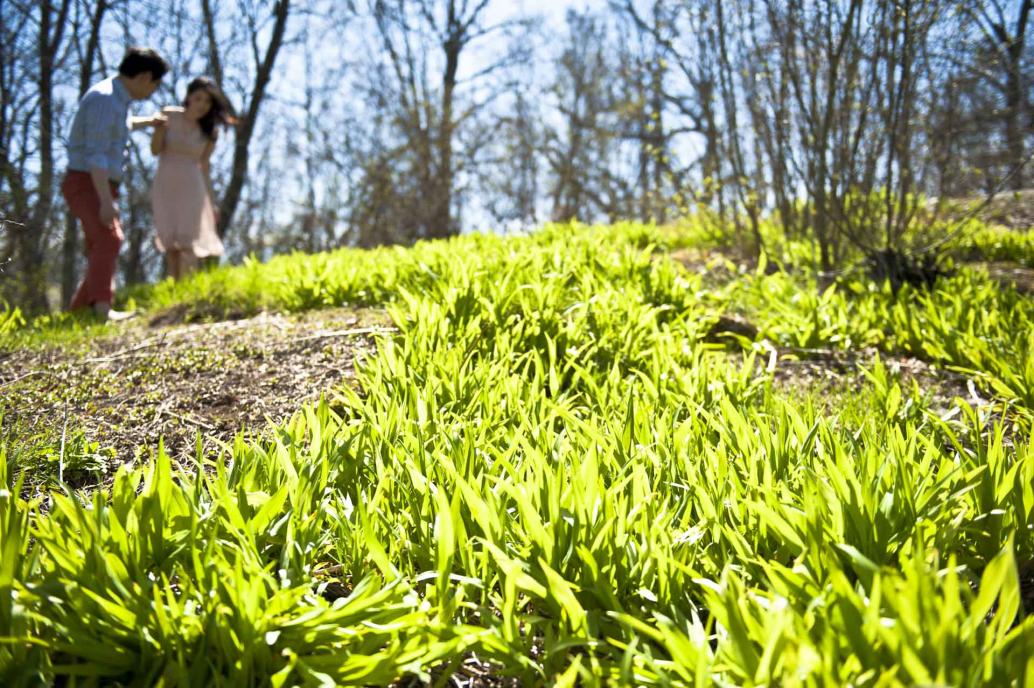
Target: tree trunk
[(239, 170), (659, 138), (1015, 100), (32, 241), (726, 71), (135, 238), (214, 63), (441, 224)]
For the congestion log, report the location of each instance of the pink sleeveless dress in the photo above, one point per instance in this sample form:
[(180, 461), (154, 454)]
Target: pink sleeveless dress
[(184, 218)]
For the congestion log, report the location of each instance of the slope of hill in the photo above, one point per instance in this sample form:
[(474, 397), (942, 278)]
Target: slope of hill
[(568, 459)]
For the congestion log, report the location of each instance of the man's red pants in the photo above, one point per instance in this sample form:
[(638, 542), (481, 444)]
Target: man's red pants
[(102, 241)]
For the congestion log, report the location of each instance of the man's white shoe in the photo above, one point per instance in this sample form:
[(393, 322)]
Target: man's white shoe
[(105, 312), (119, 316)]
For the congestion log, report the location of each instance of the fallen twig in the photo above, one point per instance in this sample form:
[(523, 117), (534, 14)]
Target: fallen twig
[(810, 354), (346, 333), (197, 421), (128, 353), (186, 419), (33, 373)]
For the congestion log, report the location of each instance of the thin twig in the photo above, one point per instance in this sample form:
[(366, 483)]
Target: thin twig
[(812, 354), (185, 418), (196, 421), (26, 375), (346, 333), (126, 353)]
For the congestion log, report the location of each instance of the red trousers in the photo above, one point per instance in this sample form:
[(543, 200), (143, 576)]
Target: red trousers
[(102, 241)]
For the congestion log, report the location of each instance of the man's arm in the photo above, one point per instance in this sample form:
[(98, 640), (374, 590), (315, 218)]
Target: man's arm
[(109, 206), (99, 118)]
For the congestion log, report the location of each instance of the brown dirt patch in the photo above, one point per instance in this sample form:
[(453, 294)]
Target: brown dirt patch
[(1027, 587), (1012, 209), (830, 374), (472, 672), (1011, 273), (1009, 209), (719, 266), (836, 382), (112, 399)]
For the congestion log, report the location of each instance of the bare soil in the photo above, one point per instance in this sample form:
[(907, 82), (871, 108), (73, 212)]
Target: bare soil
[(828, 372), (110, 400), (1012, 209), (1014, 274)]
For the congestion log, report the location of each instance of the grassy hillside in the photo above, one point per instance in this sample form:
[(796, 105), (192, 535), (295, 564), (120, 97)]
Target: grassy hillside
[(587, 455)]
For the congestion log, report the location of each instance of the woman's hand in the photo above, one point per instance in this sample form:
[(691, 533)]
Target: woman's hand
[(156, 120)]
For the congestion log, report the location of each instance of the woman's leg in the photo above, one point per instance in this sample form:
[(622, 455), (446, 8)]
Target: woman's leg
[(188, 263), (172, 264)]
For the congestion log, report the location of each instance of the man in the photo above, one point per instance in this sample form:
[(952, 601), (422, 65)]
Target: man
[(96, 153)]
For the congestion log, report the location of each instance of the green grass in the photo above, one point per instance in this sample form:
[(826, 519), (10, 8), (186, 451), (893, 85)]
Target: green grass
[(993, 243), (968, 323), (549, 468)]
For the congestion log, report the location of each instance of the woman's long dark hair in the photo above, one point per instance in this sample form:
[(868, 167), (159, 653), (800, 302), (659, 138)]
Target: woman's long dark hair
[(221, 112)]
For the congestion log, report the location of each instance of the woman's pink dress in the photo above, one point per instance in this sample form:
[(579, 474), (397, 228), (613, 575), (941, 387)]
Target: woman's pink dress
[(183, 214)]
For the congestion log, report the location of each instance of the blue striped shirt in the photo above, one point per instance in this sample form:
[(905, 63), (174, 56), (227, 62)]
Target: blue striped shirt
[(100, 130)]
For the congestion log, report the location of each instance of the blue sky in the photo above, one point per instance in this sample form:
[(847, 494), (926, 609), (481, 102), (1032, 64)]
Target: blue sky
[(551, 9)]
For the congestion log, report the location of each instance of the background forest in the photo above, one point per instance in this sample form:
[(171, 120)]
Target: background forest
[(386, 121)]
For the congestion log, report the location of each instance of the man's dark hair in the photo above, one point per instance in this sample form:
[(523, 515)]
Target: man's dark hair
[(140, 60)]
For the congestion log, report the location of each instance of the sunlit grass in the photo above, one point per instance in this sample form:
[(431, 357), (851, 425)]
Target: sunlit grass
[(549, 467)]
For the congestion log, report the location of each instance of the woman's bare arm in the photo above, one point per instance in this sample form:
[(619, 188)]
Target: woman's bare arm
[(158, 139), (206, 169), (160, 122)]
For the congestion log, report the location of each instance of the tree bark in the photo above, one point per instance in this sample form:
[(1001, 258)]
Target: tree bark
[(245, 130), (33, 239), (441, 224), (214, 62), (1015, 99)]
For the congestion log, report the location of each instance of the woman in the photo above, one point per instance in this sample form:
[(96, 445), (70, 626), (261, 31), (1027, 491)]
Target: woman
[(182, 199)]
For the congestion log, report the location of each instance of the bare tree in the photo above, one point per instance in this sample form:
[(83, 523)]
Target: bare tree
[(423, 108), (259, 18), (17, 100), (641, 110), (682, 71), (1008, 40), (30, 117), (830, 115), (511, 186), (577, 150)]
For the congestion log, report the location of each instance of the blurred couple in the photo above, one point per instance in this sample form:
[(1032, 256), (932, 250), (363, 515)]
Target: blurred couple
[(183, 138)]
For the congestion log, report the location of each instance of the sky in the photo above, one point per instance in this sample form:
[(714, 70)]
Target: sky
[(553, 10), (290, 77)]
